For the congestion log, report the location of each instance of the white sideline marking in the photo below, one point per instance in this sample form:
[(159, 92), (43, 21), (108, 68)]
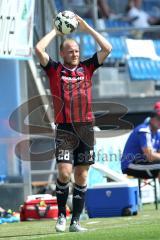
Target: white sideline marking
[(92, 222)]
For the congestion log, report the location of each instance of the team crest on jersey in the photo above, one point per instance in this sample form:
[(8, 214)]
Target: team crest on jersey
[(80, 70)]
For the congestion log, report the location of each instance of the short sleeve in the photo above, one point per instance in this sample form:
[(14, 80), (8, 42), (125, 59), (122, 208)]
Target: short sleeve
[(92, 62), (50, 64)]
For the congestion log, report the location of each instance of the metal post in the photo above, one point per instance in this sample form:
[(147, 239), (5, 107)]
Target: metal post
[(43, 17), (26, 165), (139, 185), (95, 19), (155, 194), (95, 13)]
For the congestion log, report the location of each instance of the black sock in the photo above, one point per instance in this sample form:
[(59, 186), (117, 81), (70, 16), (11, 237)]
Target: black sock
[(78, 202), (62, 190)]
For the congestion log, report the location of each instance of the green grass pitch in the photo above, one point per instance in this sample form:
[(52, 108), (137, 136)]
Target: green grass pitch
[(144, 226)]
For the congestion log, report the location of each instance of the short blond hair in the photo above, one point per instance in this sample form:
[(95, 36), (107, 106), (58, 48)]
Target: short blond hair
[(67, 40)]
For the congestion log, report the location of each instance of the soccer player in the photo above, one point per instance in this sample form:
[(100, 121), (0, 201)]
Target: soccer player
[(141, 155), (70, 84)]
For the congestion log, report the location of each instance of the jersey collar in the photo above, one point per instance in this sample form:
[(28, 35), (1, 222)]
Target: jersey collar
[(70, 69)]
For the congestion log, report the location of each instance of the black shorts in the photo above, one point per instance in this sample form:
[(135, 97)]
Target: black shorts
[(75, 143), (143, 169)]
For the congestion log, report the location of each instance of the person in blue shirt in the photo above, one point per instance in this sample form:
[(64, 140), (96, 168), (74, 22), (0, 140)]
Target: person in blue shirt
[(141, 154)]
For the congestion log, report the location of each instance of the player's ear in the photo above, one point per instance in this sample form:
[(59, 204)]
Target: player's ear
[(61, 53)]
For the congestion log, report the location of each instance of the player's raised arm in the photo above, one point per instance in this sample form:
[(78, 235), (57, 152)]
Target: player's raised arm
[(42, 44), (103, 43)]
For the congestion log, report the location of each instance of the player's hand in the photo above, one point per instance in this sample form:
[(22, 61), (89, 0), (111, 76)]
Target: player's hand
[(82, 24), (56, 30)]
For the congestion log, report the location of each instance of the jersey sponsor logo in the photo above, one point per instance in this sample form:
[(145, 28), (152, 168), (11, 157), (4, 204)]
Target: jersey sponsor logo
[(78, 78)]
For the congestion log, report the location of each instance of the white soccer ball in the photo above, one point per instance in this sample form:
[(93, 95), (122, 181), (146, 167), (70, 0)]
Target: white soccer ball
[(66, 22)]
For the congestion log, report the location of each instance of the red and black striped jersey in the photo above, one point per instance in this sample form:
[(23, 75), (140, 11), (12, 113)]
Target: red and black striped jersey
[(72, 90)]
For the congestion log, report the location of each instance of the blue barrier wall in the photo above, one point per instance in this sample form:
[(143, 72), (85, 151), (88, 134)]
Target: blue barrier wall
[(9, 100)]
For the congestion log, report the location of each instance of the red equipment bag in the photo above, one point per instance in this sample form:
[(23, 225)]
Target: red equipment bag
[(42, 206)]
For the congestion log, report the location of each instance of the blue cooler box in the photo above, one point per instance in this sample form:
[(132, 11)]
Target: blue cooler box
[(112, 199)]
